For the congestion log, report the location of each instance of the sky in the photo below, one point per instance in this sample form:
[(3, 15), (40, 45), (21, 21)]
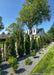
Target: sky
[(9, 10)]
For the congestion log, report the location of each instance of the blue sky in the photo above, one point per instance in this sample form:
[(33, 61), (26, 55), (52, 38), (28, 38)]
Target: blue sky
[(9, 10)]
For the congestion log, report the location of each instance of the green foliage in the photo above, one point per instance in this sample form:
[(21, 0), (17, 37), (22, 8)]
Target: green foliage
[(51, 32), (34, 12), (14, 28), (33, 53), (46, 64), (47, 39), (10, 47), (11, 73), (27, 44), (39, 43), (39, 50), (36, 44), (28, 61), (45, 45), (32, 43), (0, 73), (1, 24), (13, 62), (20, 44), (0, 56)]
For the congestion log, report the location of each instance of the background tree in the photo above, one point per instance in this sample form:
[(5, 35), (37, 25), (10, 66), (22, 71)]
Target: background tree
[(51, 31), (32, 43), (10, 47), (20, 44), (27, 44), (34, 12), (1, 24), (14, 28), (47, 39), (0, 56)]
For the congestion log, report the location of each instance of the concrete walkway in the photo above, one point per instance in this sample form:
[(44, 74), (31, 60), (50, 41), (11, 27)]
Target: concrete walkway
[(24, 69)]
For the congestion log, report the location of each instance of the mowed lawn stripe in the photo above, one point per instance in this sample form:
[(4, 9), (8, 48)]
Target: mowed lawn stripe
[(46, 64)]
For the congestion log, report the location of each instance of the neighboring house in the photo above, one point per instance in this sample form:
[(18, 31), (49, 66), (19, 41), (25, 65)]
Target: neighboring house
[(36, 32)]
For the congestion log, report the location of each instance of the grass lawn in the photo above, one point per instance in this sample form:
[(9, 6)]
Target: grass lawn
[(46, 64)]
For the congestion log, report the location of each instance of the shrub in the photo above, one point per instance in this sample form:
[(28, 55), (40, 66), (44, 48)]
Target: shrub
[(13, 62), (11, 73), (27, 44), (45, 45), (10, 48), (28, 61), (33, 53), (0, 56), (20, 44), (39, 50)]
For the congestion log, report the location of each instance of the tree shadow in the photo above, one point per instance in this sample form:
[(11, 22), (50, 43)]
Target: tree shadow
[(4, 66), (24, 57), (36, 56), (4, 72), (20, 71)]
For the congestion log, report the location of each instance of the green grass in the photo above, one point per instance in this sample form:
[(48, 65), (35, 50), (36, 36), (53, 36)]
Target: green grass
[(46, 64)]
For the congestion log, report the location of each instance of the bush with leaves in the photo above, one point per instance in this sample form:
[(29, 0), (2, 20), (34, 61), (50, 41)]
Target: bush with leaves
[(33, 53), (10, 47), (32, 43), (20, 44), (28, 61), (13, 62), (0, 56), (27, 44)]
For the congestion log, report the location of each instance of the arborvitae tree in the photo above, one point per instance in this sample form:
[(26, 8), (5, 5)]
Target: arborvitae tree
[(32, 43), (10, 47), (20, 44), (27, 44), (47, 38), (0, 56), (41, 42), (36, 43)]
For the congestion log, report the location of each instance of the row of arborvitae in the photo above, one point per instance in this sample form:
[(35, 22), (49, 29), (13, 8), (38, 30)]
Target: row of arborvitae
[(24, 46)]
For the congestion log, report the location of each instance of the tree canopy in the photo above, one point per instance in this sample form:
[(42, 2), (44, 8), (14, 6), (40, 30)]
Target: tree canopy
[(34, 12), (51, 31), (1, 24), (14, 28)]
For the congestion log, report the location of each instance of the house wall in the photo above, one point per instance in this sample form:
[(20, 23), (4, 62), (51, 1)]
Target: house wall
[(28, 31), (42, 33), (34, 31)]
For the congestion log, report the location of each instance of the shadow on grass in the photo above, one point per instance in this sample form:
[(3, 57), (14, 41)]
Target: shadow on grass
[(20, 71)]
